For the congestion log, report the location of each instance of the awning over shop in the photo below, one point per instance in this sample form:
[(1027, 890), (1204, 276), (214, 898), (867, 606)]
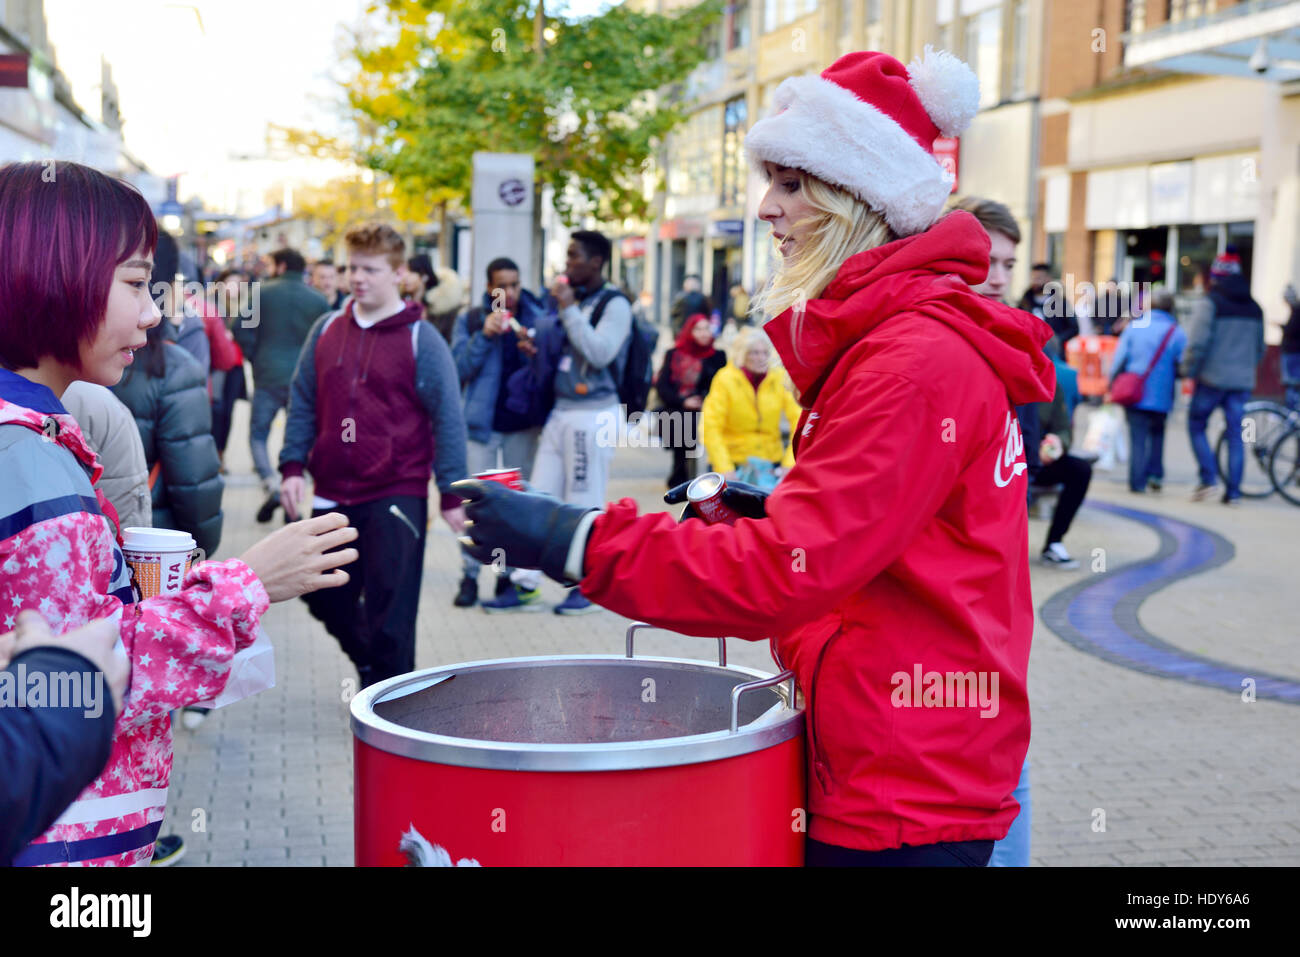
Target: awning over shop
[(1260, 40)]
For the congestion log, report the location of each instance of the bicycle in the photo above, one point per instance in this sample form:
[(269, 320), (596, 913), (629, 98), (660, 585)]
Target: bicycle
[(1284, 463), (1270, 421)]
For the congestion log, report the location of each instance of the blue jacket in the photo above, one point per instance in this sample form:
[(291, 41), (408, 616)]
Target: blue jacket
[(1137, 347), (48, 755), (479, 359)]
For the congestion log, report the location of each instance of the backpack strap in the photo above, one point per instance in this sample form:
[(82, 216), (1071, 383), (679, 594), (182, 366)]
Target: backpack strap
[(606, 297)]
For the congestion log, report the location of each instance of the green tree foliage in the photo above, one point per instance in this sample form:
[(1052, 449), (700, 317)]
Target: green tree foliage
[(448, 78)]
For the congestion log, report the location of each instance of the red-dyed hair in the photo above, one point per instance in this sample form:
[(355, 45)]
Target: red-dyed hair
[(64, 229)]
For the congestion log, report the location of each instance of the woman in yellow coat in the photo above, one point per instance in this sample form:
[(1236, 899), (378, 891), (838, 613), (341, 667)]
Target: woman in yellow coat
[(742, 412)]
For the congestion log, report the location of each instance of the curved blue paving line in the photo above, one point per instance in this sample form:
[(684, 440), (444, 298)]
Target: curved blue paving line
[(1099, 615)]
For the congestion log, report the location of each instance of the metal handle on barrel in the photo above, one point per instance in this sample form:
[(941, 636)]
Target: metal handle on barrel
[(636, 626), (739, 690)]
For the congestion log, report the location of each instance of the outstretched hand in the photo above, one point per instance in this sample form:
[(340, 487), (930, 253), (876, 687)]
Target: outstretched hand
[(524, 529)]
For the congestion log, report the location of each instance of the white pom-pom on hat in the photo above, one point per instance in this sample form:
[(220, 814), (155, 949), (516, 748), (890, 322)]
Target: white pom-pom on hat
[(947, 88)]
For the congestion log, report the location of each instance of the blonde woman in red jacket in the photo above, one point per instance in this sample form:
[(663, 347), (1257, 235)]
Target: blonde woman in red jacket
[(891, 563)]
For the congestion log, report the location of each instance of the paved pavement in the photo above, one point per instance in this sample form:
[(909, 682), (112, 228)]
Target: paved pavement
[(1176, 773)]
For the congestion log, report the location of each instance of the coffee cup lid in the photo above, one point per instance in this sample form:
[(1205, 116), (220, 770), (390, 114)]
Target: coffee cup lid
[(157, 539)]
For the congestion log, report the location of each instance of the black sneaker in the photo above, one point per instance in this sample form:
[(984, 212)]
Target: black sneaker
[(167, 851), (267, 511), (504, 584), (467, 597)]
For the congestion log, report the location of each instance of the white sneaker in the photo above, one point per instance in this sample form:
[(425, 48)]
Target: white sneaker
[(191, 718), (1056, 555)]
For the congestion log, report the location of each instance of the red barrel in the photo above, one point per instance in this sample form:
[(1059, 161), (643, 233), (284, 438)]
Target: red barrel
[(598, 760)]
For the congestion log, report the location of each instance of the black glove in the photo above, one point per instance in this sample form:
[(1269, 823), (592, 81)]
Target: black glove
[(746, 500), (535, 531)]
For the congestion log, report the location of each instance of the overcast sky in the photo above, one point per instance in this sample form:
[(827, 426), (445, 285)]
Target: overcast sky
[(192, 95)]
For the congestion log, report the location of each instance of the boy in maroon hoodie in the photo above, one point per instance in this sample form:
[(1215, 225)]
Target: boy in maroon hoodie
[(374, 409)]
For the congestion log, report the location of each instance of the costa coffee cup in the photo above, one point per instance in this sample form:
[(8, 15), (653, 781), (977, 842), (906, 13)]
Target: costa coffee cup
[(159, 559)]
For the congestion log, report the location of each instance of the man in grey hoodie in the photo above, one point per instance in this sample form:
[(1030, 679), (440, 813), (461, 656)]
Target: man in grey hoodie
[(575, 452), (1225, 345)]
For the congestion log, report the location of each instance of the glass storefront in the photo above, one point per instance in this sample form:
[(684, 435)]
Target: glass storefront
[(1179, 255)]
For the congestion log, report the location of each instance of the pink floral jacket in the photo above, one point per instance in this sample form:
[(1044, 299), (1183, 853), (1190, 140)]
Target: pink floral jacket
[(59, 556)]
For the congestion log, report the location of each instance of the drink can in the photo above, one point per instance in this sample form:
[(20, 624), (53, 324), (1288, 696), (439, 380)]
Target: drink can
[(705, 495), (510, 478)]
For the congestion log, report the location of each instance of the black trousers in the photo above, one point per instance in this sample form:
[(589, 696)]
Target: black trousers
[(1074, 476), (676, 438), (948, 854), (223, 405), (373, 615)]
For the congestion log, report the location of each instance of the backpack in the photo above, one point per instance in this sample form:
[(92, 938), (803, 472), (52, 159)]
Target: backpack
[(635, 378)]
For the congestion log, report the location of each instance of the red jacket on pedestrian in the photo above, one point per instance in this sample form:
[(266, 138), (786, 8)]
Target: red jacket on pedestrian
[(896, 549)]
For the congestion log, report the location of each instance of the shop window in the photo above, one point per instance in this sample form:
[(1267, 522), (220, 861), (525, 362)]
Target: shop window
[(1020, 50), (735, 170), (739, 25), (1056, 252), (1135, 16), (984, 52), (1197, 247)]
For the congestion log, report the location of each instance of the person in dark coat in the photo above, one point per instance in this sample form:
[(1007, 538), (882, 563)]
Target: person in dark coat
[(166, 391), (284, 311), (689, 302), (684, 380)]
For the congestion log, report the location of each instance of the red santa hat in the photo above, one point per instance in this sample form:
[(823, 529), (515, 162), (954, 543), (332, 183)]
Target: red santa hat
[(868, 124)]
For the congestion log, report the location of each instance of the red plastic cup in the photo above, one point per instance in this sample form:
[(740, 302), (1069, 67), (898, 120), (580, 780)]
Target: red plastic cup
[(510, 478)]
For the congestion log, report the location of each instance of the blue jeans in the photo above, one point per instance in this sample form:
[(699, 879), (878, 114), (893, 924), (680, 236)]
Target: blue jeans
[(1204, 401), (1146, 433), (1013, 850), (267, 401), (1291, 379)]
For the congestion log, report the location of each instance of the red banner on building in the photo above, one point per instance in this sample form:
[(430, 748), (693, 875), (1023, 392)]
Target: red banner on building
[(13, 70), (633, 247), (946, 150)]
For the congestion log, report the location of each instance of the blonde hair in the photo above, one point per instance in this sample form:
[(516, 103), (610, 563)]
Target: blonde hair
[(840, 226)]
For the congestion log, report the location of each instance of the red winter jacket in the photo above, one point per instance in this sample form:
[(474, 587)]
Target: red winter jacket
[(896, 549)]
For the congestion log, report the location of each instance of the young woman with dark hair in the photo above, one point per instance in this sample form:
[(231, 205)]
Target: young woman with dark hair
[(75, 262)]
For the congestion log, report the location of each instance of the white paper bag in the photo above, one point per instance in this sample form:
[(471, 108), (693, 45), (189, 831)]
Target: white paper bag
[(251, 670)]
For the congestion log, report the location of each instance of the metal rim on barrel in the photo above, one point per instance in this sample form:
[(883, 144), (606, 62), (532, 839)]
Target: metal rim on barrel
[(777, 724)]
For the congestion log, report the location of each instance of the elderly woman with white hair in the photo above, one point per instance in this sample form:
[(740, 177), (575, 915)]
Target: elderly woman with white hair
[(741, 416)]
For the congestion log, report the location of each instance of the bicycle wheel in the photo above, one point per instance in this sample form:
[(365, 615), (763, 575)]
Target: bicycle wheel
[(1284, 465), (1262, 424)]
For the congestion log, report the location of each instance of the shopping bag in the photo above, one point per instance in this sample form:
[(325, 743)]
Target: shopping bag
[(251, 670), (1105, 437)]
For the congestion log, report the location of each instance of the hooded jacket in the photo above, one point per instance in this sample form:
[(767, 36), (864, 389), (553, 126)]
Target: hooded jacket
[(373, 411), (892, 570), (1225, 338), (58, 556)]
